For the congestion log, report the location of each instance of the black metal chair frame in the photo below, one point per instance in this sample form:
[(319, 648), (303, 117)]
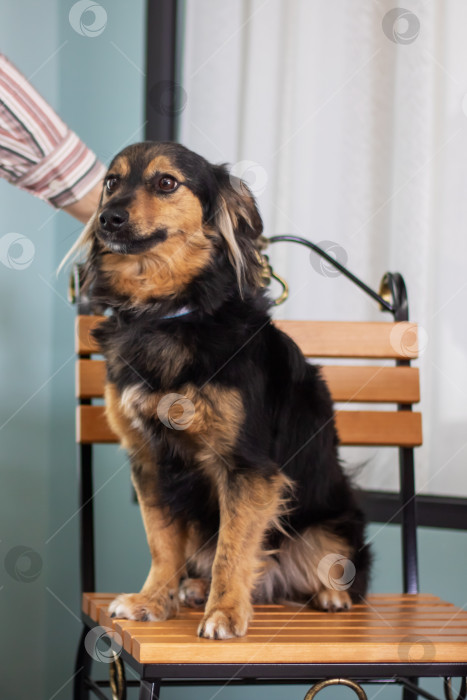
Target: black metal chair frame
[(392, 297)]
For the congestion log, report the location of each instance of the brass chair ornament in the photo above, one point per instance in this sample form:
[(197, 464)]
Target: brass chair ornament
[(268, 273), (117, 678), (313, 692)]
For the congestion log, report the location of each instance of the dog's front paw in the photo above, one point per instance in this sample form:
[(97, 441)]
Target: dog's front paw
[(224, 623), (143, 606)]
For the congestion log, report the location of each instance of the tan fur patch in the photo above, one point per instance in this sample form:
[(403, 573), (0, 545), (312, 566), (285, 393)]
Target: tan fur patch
[(166, 540), (161, 272), (121, 167), (216, 415), (227, 222), (162, 165), (179, 211)]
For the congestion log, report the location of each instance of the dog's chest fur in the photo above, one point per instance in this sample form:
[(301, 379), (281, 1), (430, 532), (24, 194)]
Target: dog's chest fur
[(155, 383), (137, 352)]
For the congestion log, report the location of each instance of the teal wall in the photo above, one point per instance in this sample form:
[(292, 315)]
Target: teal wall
[(99, 92)]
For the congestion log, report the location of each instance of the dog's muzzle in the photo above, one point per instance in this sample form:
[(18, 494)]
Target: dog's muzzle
[(112, 220)]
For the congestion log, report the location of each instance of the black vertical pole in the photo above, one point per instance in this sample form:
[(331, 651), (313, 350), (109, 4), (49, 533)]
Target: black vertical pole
[(86, 521), (407, 477), (406, 458), (88, 582), (164, 96), (409, 520)]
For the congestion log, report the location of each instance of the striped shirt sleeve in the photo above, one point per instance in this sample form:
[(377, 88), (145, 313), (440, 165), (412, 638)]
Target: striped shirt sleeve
[(38, 152)]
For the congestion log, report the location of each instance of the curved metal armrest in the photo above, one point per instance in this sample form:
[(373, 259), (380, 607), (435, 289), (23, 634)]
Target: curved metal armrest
[(392, 294)]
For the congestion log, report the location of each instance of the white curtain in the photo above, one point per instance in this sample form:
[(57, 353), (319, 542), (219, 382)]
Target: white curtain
[(349, 120)]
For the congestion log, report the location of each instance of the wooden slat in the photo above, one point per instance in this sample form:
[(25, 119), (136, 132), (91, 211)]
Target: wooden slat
[(373, 384), (353, 338), (90, 378), (324, 650), (389, 428), (315, 338), (92, 426), (84, 342), (395, 628), (95, 598), (354, 383), (383, 428)]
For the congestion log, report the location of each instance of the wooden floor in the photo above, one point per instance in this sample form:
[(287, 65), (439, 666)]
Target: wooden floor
[(398, 628)]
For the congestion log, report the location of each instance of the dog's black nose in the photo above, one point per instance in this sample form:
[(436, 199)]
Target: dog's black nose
[(113, 219)]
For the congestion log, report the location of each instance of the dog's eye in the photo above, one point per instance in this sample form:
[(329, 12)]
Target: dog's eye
[(111, 183), (167, 183)]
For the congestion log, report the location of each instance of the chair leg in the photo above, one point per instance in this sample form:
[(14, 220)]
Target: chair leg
[(149, 690), (82, 670), (409, 693)]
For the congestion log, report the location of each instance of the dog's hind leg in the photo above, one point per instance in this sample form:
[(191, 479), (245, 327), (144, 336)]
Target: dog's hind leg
[(315, 567)]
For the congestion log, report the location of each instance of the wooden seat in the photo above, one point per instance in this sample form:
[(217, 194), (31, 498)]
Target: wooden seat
[(385, 629)]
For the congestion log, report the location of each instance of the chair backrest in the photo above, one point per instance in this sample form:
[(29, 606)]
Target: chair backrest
[(384, 383)]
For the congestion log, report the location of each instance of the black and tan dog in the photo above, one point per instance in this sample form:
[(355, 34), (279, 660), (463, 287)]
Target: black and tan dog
[(230, 432)]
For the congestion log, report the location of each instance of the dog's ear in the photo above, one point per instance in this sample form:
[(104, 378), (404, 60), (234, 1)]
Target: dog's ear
[(236, 217), (236, 202)]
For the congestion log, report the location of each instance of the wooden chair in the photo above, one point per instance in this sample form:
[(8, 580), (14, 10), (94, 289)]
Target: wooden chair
[(384, 638)]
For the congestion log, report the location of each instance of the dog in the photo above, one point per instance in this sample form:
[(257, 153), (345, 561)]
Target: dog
[(230, 432)]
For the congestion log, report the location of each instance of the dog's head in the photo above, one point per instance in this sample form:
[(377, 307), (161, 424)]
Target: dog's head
[(166, 218)]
